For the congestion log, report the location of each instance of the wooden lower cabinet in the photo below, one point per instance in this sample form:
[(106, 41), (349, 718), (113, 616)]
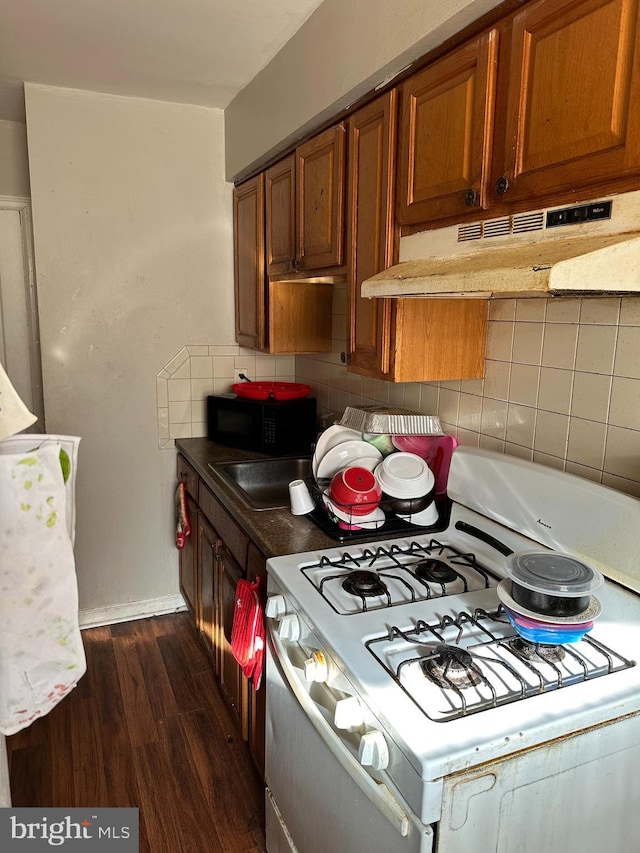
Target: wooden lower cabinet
[(232, 681), (189, 562), (216, 555), (207, 562), (257, 699)]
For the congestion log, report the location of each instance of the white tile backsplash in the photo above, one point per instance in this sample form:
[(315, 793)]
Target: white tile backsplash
[(185, 382), (561, 385)]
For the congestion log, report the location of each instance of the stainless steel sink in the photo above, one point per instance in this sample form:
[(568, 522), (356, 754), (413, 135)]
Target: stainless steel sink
[(264, 483)]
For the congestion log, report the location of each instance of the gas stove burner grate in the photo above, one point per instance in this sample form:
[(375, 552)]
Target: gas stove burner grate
[(537, 651), (450, 666), (406, 572), (363, 583), (435, 571), (474, 661)]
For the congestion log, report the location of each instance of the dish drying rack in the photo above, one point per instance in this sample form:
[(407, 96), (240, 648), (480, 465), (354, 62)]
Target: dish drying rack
[(393, 525)]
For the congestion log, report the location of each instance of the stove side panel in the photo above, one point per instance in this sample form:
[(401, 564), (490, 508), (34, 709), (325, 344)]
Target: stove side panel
[(575, 793)]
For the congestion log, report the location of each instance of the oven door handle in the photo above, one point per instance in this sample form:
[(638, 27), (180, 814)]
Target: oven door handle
[(377, 792)]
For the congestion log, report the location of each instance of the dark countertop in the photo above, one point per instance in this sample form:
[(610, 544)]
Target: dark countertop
[(274, 531)]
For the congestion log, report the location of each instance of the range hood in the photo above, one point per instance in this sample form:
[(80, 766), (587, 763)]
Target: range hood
[(587, 249)]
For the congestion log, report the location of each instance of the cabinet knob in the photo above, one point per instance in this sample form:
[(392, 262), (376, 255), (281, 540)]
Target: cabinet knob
[(373, 751), (470, 197), (295, 263), (502, 185)]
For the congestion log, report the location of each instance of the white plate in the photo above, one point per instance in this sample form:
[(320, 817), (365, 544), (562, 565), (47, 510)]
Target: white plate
[(359, 453), (331, 437), (371, 521)]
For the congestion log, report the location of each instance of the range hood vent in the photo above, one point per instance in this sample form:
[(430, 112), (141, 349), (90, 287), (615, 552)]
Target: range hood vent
[(587, 249)]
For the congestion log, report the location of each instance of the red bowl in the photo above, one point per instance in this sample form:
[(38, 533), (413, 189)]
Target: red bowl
[(355, 490), (277, 390)]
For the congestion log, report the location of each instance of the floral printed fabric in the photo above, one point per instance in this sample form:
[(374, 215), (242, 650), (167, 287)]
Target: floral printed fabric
[(41, 652)]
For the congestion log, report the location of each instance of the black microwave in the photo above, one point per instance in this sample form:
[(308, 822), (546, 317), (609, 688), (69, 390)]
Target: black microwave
[(267, 426)]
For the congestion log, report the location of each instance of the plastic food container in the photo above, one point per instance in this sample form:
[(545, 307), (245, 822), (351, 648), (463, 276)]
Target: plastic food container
[(551, 583)]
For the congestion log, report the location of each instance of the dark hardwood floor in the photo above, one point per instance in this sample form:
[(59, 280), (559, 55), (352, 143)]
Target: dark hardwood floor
[(147, 727)]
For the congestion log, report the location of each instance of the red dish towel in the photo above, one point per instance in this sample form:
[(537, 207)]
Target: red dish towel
[(183, 528), (248, 632)]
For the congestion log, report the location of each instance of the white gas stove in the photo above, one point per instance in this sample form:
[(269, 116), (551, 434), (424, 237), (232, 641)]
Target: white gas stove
[(403, 656)]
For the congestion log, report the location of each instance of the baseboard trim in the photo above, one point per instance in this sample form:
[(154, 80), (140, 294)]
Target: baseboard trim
[(98, 616)]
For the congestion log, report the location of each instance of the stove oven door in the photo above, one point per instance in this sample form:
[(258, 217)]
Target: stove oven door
[(319, 796)]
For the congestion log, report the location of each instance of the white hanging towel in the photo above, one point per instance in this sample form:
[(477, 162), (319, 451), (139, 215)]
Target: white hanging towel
[(41, 652), (68, 452)]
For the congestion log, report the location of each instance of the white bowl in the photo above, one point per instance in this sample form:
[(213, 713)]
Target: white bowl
[(347, 453), (404, 475), (425, 518)]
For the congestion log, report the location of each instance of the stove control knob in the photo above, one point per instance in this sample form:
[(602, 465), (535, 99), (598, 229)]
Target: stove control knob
[(373, 751), (289, 628), (275, 607), (349, 713), (316, 668)]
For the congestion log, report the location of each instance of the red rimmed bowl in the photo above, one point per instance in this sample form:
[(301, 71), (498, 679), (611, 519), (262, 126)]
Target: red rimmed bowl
[(276, 390), (355, 490)]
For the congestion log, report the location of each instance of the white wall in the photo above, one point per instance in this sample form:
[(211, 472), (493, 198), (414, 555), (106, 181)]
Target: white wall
[(338, 55), (14, 167), (133, 242)]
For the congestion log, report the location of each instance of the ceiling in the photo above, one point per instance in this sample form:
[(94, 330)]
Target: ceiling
[(189, 51)]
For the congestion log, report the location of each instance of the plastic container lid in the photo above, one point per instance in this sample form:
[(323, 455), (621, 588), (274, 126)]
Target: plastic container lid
[(552, 573)]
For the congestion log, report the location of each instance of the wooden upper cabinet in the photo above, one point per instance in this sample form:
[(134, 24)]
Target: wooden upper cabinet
[(280, 190), (249, 263), (572, 117), (446, 132), (273, 316), (370, 232), (320, 180), (305, 206)]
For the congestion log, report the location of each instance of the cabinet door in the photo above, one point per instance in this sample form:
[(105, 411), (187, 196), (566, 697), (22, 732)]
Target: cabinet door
[(320, 179), (445, 134), (208, 545), (370, 232), (249, 255), (440, 339), (189, 563), (232, 681), (574, 88), (280, 192)]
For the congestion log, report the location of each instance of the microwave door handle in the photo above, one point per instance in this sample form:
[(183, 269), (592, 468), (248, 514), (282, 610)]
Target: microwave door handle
[(376, 792)]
